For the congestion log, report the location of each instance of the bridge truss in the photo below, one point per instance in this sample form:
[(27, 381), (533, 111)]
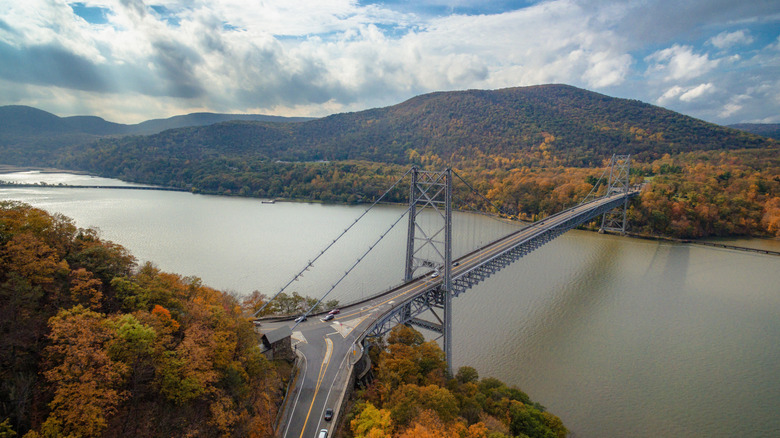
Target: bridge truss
[(433, 190), (615, 219)]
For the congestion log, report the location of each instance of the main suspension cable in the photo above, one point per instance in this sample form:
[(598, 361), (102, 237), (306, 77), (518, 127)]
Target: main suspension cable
[(500, 210), (311, 262), (347, 272), (595, 185)]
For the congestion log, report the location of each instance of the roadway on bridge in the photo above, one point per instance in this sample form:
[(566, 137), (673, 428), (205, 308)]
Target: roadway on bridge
[(329, 349)]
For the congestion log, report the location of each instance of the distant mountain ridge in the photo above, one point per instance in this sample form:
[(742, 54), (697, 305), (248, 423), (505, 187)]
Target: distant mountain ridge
[(771, 130), (20, 120)]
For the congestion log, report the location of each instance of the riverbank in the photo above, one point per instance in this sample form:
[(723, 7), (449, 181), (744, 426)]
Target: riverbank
[(715, 244), (69, 186), (9, 168), (762, 245)]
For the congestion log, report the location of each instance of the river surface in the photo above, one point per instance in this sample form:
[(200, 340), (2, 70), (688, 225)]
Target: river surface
[(619, 337)]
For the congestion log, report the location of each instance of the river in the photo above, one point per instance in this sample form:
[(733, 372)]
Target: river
[(619, 337)]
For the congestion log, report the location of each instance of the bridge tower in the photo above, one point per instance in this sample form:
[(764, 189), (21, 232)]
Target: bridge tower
[(429, 245), (615, 220)]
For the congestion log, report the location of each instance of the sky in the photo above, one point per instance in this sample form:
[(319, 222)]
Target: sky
[(134, 60)]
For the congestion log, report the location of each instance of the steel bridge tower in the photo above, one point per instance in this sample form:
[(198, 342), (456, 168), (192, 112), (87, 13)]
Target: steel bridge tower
[(429, 245), (615, 220)]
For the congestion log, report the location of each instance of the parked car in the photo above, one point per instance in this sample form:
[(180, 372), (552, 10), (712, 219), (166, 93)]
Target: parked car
[(328, 317), (328, 414), (323, 433), (334, 312), (300, 318)]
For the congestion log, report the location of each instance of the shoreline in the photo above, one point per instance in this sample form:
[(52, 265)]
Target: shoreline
[(7, 168), (10, 168)]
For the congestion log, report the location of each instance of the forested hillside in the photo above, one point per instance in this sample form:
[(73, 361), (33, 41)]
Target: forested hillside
[(412, 397), (771, 130), (531, 150), (92, 345), (535, 126), (29, 136)]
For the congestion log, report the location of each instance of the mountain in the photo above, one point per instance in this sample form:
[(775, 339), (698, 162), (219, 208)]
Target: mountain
[(540, 125), (28, 134), (24, 120), (203, 119), (19, 120), (771, 130), (532, 150)]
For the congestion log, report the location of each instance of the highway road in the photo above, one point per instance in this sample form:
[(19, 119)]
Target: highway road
[(328, 349)]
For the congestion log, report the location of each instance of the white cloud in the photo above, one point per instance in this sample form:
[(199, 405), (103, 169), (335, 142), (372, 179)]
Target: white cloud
[(670, 95), (725, 40), (679, 62), (696, 92), (283, 57), (685, 94), (606, 69), (729, 110)]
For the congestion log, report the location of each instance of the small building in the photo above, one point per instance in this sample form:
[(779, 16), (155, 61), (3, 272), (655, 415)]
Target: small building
[(277, 344)]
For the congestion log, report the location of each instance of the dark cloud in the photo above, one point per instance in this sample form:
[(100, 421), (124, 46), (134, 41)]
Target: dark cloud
[(177, 64), (50, 65)]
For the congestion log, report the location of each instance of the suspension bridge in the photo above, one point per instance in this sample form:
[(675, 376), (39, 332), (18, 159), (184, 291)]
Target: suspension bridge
[(332, 356)]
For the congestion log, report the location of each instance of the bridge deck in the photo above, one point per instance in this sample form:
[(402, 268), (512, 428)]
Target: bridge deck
[(321, 344)]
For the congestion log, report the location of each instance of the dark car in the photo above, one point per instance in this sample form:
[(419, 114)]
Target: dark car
[(328, 414), (328, 317)]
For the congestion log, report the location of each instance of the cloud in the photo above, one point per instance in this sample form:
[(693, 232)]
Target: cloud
[(679, 62), (725, 40), (290, 58), (696, 92), (606, 69)]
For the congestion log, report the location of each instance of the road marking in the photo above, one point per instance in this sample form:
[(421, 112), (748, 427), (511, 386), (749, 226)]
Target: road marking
[(298, 336), (303, 378), (323, 368), (352, 325)]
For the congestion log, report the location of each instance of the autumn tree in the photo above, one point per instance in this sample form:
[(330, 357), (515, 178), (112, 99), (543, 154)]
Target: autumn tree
[(85, 380)]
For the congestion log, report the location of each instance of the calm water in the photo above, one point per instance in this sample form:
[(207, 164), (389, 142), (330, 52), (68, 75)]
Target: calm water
[(619, 337)]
